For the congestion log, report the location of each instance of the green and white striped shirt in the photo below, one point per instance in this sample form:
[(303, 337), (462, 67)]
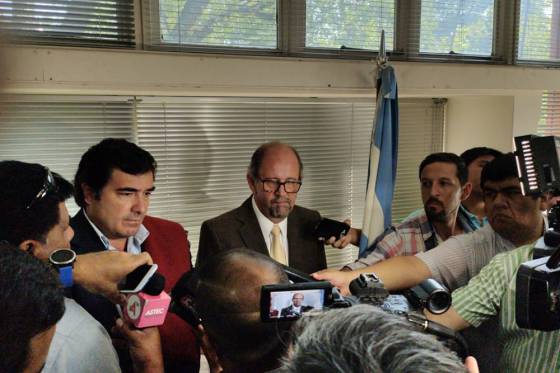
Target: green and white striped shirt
[(492, 292)]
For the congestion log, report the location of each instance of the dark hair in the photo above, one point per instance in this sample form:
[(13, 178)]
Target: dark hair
[(33, 302), (98, 163), (499, 169), (19, 184), (462, 172), (470, 155), (260, 153), (229, 304)]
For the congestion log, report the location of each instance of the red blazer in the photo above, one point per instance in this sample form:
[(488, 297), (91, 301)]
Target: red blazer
[(170, 249)]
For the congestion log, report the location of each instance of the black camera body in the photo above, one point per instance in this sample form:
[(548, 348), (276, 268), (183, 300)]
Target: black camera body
[(537, 303)]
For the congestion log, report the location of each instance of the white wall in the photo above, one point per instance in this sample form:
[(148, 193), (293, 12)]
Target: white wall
[(479, 121)]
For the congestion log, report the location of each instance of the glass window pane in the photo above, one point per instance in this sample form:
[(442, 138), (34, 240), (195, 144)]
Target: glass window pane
[(539, 30), (226, 23), (69, 22), (349, 23), (457, 26)]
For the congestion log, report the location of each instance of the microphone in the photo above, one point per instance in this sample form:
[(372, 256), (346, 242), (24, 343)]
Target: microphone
[(183, 298), (149, 306)]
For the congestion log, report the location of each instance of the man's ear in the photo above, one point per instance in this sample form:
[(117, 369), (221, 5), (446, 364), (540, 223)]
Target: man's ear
[(89, 194), (466, 190), (544, 202), (32, 247), (252, 184)]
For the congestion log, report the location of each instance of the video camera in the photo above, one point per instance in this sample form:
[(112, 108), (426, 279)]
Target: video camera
[(537, 303), (288, 302)]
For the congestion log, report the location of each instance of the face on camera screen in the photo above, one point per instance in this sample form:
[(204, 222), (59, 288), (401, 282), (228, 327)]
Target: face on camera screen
[(293, 303)]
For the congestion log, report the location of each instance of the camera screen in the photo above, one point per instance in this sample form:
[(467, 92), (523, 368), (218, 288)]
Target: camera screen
[(293, 303)]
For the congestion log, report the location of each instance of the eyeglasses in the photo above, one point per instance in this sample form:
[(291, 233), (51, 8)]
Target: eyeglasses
[(511, 193), (272, 185), (49, 185)]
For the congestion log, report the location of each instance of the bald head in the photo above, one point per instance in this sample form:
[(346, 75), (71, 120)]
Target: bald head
[(229, 306)]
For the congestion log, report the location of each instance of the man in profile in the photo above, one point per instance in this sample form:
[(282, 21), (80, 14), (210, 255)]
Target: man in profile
[(269, 221), (296, 308), (113, 185)]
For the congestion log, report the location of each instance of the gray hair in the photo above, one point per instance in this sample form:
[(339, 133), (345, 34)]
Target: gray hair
[(364, 338)]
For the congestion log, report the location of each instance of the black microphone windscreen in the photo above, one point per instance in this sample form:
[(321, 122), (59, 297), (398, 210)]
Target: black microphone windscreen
[(155, 285)]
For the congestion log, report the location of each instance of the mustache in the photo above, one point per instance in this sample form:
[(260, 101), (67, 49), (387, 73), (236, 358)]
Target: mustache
[(433, 200)]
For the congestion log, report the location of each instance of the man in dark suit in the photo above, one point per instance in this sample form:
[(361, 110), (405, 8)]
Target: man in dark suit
[(269, 221), (113, 184), (296, 308)]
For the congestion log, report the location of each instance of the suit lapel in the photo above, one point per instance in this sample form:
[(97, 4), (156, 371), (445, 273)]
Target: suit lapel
[(250, 230), (85, 239), (295, 240)]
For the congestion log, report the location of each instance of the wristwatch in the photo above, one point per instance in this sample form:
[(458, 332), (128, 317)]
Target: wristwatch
[(63, 261)]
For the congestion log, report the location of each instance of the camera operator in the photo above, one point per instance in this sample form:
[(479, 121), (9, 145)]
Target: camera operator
[(35, 219), (491, 293), (229, 306), (364, 338)]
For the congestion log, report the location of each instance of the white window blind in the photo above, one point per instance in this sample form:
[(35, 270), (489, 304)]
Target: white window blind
[(57, 131), (421, 133), (203, 147), (349, 23), (549, 121), (211, 23), (457, 27), (84, 22), (539, 31)]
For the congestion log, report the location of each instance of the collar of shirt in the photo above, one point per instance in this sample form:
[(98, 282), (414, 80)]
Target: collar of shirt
[(133, 246), (266, 226), (470, 220)]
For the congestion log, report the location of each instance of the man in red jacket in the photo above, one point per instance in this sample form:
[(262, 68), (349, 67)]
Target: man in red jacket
[(113, 185)]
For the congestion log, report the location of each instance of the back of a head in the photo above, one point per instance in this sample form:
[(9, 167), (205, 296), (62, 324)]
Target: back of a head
[(462, 172), (499, 169), (229, 306), (470, 155), (364, 338), (33, 302), (99, 161), (26, 213)]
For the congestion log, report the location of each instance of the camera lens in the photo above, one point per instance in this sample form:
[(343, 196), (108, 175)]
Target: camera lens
[(438, 302)]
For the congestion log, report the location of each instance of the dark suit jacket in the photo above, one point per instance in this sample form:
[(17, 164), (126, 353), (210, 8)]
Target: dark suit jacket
[(169, 247), (240, 228), (289, 311)]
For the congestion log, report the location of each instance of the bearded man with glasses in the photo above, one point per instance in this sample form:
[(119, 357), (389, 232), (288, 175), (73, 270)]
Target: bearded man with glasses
[(269, 221)]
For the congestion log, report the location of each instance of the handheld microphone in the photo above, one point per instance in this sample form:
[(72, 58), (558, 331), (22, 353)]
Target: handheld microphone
[(149, 306), (183, 298)]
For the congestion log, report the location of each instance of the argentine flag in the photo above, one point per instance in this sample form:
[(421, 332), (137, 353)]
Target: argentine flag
[(382, 159)]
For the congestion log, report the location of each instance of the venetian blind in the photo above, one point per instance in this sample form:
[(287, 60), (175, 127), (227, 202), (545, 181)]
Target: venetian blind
[(539, 31), (453, 27), (56, 131), (210, 23), (549, 121), (203, 147), (85, 22)]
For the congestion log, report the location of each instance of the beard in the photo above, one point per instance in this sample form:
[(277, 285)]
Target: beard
[(280, 208), (433, 213)]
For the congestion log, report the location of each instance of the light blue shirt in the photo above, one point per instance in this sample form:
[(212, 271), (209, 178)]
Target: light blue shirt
[(133, 243)]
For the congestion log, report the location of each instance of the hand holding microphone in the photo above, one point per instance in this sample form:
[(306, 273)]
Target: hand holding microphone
[(146, 302)]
